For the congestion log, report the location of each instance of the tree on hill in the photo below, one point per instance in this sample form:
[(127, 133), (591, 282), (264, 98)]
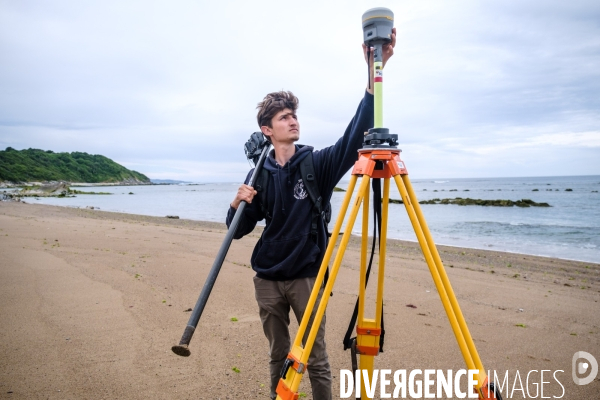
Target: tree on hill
[(39, 165)]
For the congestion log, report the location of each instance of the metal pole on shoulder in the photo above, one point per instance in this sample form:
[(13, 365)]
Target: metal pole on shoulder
[(256, 149)]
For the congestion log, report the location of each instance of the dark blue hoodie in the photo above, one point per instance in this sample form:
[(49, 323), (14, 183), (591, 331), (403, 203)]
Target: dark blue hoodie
[(286, 250)]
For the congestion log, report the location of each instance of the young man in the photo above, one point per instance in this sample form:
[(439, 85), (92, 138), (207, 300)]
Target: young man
[(287, 257)]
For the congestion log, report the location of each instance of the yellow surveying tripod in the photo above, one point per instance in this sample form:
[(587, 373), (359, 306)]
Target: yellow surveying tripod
[(378, 159)]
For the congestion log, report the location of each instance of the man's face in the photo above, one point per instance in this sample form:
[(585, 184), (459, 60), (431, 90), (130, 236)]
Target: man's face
[(286, 128)]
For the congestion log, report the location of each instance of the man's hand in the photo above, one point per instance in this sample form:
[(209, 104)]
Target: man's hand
[(388, 51), (245, 193)]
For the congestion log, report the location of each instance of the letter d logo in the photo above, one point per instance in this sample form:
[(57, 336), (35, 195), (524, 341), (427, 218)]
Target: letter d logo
[(582, 367)]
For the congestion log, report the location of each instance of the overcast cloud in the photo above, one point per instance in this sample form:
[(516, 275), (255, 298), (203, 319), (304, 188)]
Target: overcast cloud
[(475, 89)]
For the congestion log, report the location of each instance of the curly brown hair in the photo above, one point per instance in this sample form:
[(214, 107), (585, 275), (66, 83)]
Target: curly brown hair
[(272, 104)]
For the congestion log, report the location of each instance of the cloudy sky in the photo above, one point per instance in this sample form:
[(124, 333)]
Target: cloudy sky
[(475, 88)]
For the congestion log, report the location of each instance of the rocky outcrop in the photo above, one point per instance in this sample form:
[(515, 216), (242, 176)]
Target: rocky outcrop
[(54, 189), (479, 202)]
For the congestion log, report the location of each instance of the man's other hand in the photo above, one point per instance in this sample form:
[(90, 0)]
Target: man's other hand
[(245, 193)]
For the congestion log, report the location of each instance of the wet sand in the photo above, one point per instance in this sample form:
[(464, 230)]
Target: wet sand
[(91, 303)]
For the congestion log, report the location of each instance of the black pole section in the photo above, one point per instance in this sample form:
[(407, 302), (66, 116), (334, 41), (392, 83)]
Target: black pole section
[(182, 349)]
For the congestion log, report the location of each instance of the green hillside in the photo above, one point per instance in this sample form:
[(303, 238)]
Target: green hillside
[(34, 165)]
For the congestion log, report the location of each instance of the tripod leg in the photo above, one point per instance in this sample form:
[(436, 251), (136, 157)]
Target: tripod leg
[(298, 357), (459, 326), (365, 361), (485, 389), (382, 251), (433, 269), (369, 330), (442, 272)]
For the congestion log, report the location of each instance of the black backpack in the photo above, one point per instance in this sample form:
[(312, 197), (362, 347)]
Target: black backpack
[(319, 210)]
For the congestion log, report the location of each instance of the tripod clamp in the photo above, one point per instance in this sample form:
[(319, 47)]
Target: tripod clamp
[(380, 138), (283, 390)]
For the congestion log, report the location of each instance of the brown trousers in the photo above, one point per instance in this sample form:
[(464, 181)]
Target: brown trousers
[(274, 301)]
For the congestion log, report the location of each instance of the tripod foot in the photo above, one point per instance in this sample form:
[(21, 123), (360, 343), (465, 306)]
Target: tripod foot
[(181, 350), (489, 391)]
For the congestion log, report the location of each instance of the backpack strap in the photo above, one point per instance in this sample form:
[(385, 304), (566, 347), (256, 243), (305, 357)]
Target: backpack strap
[(260, 185), (319, 211), (307, 170)]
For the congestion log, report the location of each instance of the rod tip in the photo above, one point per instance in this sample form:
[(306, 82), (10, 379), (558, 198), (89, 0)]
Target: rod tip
[(181, 350)]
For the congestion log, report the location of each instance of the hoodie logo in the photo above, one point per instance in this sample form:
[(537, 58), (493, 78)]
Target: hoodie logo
[(299, 190)]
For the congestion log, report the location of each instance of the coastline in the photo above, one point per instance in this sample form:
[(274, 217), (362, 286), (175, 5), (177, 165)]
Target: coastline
[(11, 185), (516, 253), (92, 301), (568, 230)]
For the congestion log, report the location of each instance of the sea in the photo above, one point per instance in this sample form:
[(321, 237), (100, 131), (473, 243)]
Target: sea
[(568, 229)]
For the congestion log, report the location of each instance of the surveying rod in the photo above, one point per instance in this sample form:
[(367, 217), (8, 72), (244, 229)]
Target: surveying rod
[(377, 24), (182, 348)]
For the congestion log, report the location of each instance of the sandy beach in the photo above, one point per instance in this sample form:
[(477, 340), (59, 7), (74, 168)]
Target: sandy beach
[(91, 303)]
